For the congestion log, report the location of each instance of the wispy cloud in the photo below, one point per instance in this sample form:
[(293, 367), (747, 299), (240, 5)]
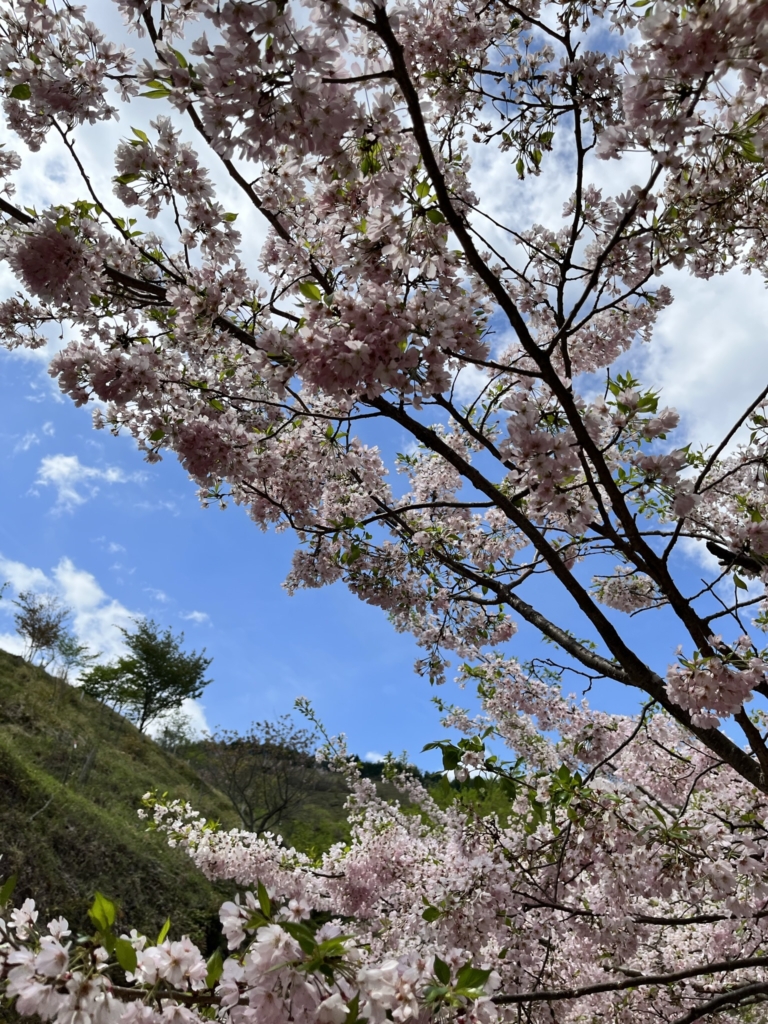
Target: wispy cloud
[(26, 442), (200, 618), (74, 482)]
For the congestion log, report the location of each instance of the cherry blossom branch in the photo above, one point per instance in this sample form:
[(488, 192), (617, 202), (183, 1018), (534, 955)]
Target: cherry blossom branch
[(654, 564), (731, 998), (15, 213), (630, 669), (636, 981), (718, 450)]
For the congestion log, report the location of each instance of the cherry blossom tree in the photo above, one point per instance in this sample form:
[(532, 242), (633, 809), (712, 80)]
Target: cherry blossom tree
[(392, 299)]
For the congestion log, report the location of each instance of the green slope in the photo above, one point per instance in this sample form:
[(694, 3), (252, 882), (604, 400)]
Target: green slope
[(72, 774)]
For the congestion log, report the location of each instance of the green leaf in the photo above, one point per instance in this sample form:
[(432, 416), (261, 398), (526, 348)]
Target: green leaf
[(164, 931), (126, 955), (739, 582), (21, 92), (422, 189), (7, 889), (310, 291), (140, 134), (183, 62), (435, 217), (442, 971), (126, 179), (102, 912), (303, 935), (435, 993), (431, 914), (520, 168), (334, 947), (230, 217), (216, 404), (157, 435), (471, 977), (155, 94), (264, 901), (451, 758), (215, 969), (354, 1008)]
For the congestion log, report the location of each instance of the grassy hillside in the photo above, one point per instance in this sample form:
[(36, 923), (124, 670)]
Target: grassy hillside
[(72, 774)]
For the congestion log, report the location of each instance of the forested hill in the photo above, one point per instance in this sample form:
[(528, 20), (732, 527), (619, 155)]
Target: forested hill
[(72, 774)]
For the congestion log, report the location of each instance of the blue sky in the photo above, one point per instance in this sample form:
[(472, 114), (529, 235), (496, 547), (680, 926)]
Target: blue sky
[(84, 509)]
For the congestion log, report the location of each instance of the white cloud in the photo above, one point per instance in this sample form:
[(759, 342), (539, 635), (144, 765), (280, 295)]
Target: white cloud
[(23, 577), (12, 643), (697, 551), (74, 482), (48, 429), (200, 618), (709, 355), (157, 595), (114, 548), (374, 756), (192, 710), (96, 618), (26, 442), (160, 505), (469, 383)]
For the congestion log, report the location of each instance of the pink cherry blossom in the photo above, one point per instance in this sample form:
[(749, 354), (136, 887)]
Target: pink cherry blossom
[(397, 301)]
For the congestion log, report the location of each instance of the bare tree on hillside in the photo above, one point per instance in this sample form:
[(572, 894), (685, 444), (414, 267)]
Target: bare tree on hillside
[(176, 733), (268, 772), (40, 620)]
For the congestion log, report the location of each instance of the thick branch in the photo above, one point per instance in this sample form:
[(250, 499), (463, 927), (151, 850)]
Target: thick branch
[(734, 997), (636, 981), (15, 212), (632, 670)]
